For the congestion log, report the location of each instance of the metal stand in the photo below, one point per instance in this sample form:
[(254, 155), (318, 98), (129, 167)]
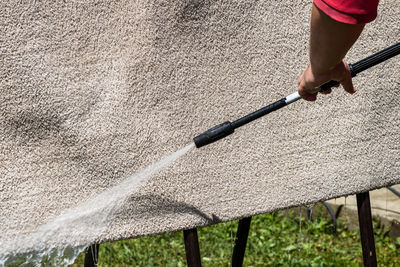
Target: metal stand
[(366, 229), (394, 191), (91, 255), (333, 215), (240, 243), (192, 248)]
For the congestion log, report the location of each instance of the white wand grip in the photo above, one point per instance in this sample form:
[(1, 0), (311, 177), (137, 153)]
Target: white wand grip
[(292, 98)]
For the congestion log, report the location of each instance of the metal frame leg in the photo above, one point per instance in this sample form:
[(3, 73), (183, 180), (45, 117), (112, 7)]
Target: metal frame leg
[(333, 216), (240, 242), (92, 255), (192, 248), (394, 191), (366, 229)]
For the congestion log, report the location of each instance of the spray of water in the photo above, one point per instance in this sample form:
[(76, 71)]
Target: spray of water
[(60, 241)]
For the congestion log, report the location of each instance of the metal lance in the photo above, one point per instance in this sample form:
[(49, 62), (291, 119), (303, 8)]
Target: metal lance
[(227, 128)]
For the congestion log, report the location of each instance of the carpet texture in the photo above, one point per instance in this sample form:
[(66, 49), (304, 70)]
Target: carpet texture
[(93, 91)]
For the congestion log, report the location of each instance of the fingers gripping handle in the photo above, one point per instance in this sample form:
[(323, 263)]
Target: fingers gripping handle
[(367, 63), (330, 84)]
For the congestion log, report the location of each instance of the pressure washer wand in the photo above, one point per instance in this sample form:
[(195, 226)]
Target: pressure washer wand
[(222, 130)]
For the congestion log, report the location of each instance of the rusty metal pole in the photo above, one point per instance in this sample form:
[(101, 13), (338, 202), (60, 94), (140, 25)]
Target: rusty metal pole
[(366, 229), (192, 248), (240, 242)]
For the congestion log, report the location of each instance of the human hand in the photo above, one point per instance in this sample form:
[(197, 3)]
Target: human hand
[(310, 80)]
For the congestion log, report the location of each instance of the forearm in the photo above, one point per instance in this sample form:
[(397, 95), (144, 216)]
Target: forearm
[(330, 40)]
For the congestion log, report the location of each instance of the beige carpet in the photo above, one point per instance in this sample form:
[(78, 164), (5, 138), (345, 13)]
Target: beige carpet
[(93, 91)]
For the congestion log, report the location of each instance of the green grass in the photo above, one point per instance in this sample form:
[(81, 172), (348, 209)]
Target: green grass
[(273, 241)]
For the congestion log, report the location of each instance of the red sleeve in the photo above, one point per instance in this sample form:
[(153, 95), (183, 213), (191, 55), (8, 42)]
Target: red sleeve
[(349, 11)]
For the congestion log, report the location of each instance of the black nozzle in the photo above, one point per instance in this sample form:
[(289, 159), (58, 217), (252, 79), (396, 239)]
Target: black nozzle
[(214, 134)]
